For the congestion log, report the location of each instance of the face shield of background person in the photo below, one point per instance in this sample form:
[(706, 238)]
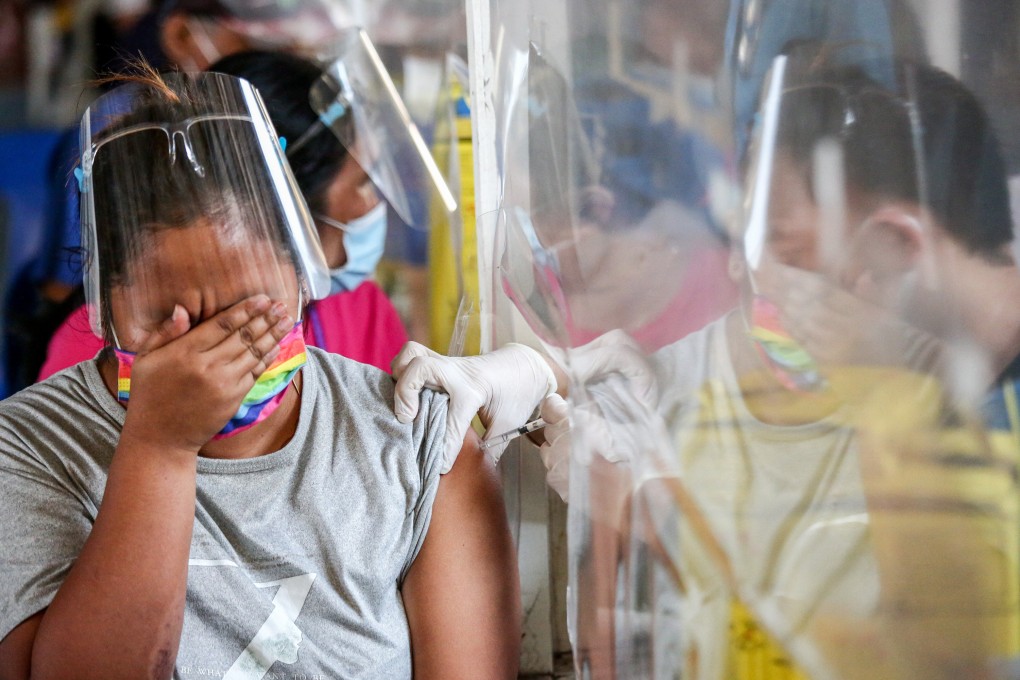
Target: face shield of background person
[(356, 102), (356, 99), (229, 222)]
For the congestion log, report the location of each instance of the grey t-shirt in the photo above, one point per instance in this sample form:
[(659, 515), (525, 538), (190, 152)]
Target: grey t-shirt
[(296, 557)]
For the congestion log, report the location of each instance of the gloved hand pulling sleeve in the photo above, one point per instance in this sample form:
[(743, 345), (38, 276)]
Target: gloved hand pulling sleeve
[(504, 387), (555, 449)]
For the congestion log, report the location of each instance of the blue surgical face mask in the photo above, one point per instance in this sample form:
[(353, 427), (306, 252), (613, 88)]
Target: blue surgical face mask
[(364, 243)]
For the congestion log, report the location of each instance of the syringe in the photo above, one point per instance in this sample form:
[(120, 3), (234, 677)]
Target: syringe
[(536, 424)]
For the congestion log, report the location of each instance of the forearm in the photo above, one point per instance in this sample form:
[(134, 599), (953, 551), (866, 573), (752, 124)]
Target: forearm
[(119, 611)]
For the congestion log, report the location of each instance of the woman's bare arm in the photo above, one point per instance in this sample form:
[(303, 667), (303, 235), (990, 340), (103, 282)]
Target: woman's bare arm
[(462, 594), (119, 611), (16, 649)]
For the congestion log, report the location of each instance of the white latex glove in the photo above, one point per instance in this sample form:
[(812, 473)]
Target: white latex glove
[(618, 379), (611, 354), (504, 387), (616, 437), (555, 451)]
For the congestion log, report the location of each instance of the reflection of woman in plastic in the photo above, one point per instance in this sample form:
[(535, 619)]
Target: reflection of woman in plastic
[(816, 459), (788, 423), (211, 436), (599, 211)]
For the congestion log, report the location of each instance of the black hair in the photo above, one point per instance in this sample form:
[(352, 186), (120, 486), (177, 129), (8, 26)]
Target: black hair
[(152, 192), (963, 174), (284, 81)]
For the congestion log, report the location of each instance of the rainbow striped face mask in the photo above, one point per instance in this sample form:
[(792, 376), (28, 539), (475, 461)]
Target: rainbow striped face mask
[(262, 399), (786, 358)]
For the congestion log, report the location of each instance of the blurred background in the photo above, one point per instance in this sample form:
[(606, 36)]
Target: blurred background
[(597, 152)]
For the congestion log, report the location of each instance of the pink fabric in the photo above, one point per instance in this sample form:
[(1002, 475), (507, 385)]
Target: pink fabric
[(706, 293), (71, 344), (362, 325)]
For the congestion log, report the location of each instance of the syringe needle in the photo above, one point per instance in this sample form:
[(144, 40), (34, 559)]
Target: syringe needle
[(509, 435)]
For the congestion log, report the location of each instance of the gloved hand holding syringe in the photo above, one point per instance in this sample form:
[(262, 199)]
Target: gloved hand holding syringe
[(510, 435), (504, 387)]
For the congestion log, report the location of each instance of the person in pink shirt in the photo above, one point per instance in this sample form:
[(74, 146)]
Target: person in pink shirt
[(357, 320), (361, 325)]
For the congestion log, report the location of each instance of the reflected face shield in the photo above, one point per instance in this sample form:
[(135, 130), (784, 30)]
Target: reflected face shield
[(532, 279), (833, 182), (357, 101), (819, 157), (187, 199)]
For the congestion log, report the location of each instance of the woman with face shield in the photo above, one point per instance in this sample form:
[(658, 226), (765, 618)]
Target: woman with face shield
[(344, 158), (357, 320), (211, 496)]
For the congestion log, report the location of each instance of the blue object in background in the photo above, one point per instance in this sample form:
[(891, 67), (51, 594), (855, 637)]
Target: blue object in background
[(25, 186), (57, 258)]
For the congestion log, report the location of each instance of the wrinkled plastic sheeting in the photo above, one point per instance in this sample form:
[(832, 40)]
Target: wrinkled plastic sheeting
[(794, 439)]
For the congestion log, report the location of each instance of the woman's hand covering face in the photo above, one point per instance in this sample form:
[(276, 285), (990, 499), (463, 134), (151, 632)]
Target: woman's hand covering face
[(187, 382), (840, 327)]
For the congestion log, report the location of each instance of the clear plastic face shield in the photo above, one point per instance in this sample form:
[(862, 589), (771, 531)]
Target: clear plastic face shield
[(356, 99), (187, 199)]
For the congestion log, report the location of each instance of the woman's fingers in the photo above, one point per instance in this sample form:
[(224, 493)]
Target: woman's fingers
[(185, 388), (226, 327), (175, 326), (242, 339), (252, 338), (257, 354), (242, 329)]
